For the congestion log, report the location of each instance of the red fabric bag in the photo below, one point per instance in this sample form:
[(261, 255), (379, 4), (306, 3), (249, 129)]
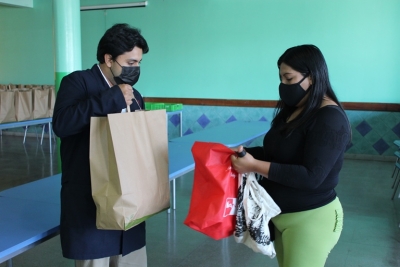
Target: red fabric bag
[(212, 208)]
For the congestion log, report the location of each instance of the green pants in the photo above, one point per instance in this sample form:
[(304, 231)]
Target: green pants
[(304, 239)]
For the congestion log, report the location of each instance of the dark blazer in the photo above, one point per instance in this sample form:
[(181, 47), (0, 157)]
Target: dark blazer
[(83, 94)]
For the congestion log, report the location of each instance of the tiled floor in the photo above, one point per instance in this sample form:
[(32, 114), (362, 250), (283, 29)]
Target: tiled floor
[(370, 237)]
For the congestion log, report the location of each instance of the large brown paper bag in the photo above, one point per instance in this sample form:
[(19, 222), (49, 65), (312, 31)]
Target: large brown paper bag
[(23, 104), (40, 102), (129, 167), (7, 108)]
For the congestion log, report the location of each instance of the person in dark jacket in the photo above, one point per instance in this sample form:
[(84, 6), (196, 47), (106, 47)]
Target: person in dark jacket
[(301, 159), (105, 88)]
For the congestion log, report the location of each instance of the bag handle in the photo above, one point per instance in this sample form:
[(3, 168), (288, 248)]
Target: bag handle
[(249, 189), (128, 108)]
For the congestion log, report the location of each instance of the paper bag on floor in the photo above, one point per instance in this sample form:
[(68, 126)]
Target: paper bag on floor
[(129, 167)]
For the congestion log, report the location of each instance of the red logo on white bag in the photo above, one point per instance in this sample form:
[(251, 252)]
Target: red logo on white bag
[(230, 206)]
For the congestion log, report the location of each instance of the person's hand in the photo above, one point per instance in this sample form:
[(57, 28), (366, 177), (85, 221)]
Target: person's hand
[(127, 91), (242, 164)]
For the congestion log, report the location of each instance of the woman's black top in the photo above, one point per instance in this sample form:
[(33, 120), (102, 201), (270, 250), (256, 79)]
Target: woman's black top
[(305, 165)]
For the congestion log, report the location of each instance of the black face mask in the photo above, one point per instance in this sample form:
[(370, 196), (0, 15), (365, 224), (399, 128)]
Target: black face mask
[(292, 94), (129, 75)]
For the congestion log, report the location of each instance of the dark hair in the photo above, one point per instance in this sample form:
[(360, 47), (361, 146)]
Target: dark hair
[(308, 60), (119, 39)]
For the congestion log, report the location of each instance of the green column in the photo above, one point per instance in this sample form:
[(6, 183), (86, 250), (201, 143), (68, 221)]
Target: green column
[(67, 42)]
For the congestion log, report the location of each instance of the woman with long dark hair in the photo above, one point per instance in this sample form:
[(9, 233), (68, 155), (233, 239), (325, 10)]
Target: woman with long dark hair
[(301, 158)]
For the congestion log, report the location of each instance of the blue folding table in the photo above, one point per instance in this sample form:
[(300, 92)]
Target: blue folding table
[(17, 124), (30, 213), (231, 134)]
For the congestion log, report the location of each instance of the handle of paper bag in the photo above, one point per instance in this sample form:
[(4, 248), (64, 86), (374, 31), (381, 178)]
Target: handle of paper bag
[(128, 108)]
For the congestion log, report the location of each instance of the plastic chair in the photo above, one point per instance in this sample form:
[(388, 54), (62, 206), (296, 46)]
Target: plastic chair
[(396, 169), (397, 154), (397, 143), (397, 180)]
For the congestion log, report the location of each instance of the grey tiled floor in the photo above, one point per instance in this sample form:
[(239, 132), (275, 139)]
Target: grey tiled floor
[(370, 237)]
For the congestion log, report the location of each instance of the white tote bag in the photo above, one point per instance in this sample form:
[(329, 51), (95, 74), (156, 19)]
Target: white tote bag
[(255, 209)]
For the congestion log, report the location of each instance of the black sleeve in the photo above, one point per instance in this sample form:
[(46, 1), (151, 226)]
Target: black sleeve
[(75, 104), (257, 152), (326, 140)]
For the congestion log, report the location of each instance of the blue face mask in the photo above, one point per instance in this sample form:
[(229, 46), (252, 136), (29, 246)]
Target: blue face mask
[(292, 94), (129, 75)]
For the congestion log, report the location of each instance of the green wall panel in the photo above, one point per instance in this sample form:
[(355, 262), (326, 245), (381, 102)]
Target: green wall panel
[(228, 49), (26, 44), (223, 48)]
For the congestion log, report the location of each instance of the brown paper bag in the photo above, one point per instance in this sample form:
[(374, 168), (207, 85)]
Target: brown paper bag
[(129, 167), (23, 104), (52, 101), (7, 108), (40, 102)]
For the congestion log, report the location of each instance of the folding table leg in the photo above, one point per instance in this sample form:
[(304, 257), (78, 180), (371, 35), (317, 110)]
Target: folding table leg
[(41, 140), (173, 197), (51, 135), (26, 129)]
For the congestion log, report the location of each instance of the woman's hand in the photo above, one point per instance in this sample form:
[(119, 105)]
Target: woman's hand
[(243, 164)]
